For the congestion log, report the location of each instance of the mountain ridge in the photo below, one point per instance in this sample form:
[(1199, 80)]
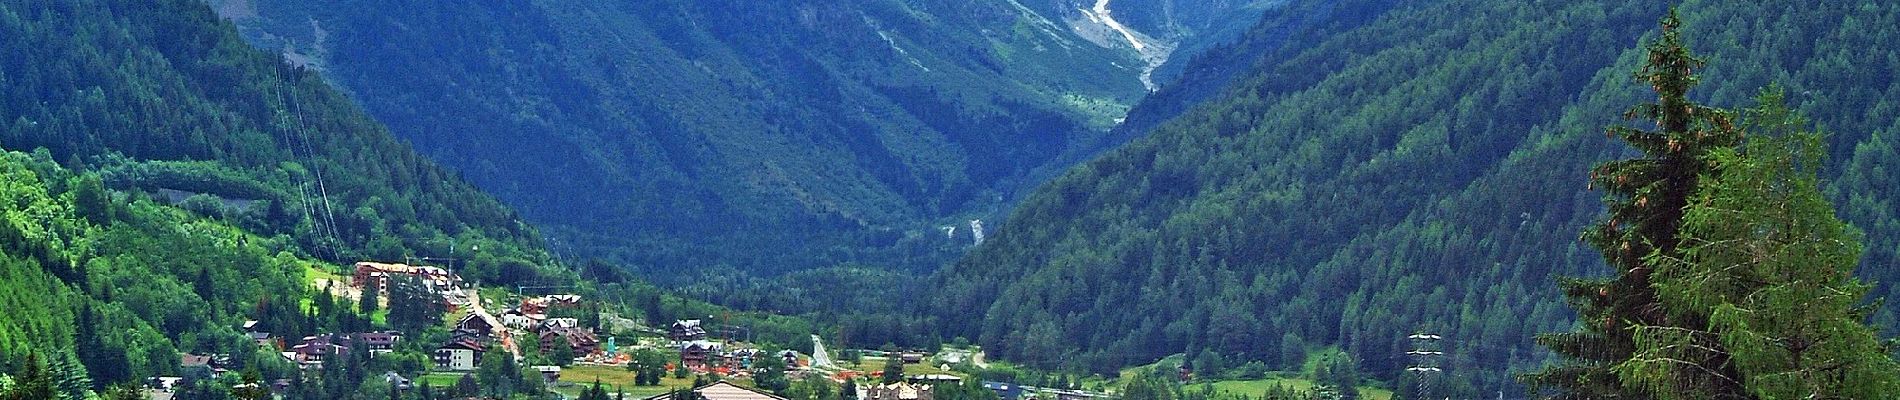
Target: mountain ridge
[(645, 132)]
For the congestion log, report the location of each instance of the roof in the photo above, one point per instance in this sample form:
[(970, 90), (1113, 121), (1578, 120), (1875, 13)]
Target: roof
[(560, 323), (723, 390), (193, 360), (388, 337), (702, 345), (903, 390), (319, 348), (483, 318), (464, 344)]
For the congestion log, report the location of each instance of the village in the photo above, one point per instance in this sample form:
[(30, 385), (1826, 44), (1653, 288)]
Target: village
[(698, 355)]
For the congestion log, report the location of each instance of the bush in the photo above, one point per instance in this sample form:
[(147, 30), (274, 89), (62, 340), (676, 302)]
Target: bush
[(1249, 371)]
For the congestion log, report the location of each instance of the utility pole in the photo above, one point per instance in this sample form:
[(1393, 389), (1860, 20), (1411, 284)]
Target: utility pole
[(1425, 356)]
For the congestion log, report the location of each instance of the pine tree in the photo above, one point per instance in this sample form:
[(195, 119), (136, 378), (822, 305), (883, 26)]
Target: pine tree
[(69, 377), (1341, 373), (252, 388), (769, 373), (105, 364), (124, 392), (563, 353), (1767, 264), (33, 382), (893, 369), (595, 392), (1149, 385), (368, 301), (465, 386), (1645, 199)]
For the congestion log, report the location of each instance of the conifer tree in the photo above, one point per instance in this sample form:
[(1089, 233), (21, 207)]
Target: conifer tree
[(1770, 268), (1645, 199), (893, 369), (33, 382), (368, 300)]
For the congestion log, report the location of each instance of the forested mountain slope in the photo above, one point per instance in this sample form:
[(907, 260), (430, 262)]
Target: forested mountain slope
[(168, 100), (1281, 32), (162, 182), (1429, 178), (765, 135)]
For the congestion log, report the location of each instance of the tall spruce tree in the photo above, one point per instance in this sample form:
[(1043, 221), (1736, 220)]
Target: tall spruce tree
[(1645, 197), (893, 368), (1766, 263)]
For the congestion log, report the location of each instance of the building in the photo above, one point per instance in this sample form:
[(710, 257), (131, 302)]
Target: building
[(1061, 394), (898, 391), (459, 355), (912, 357), (475, 326), (686, 330), (936, 379), (1005, 391), (189, 361), (375, 275), (723, 390), (397, 381), (558, 323), (697, 353), (581, 340), (550, 372), (378, 342), (264, 339), (790, 357), (540, 305), (515, 320), (313, 350)]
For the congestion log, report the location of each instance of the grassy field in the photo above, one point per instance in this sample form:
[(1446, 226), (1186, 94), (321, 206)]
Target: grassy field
[(439, 379), (1255, 387), (1258, 386), (578, 377), (876, 364)]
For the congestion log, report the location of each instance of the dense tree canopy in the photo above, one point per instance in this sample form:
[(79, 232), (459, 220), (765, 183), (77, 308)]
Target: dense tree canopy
[(1423, 171), (180, 183)]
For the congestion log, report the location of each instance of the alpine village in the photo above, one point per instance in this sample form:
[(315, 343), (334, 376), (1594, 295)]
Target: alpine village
[(949, 200)]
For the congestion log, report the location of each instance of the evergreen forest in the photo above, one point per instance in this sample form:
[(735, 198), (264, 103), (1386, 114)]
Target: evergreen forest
[(1224, 200)]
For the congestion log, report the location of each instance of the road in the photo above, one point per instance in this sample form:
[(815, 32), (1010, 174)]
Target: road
[(506, 337)]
